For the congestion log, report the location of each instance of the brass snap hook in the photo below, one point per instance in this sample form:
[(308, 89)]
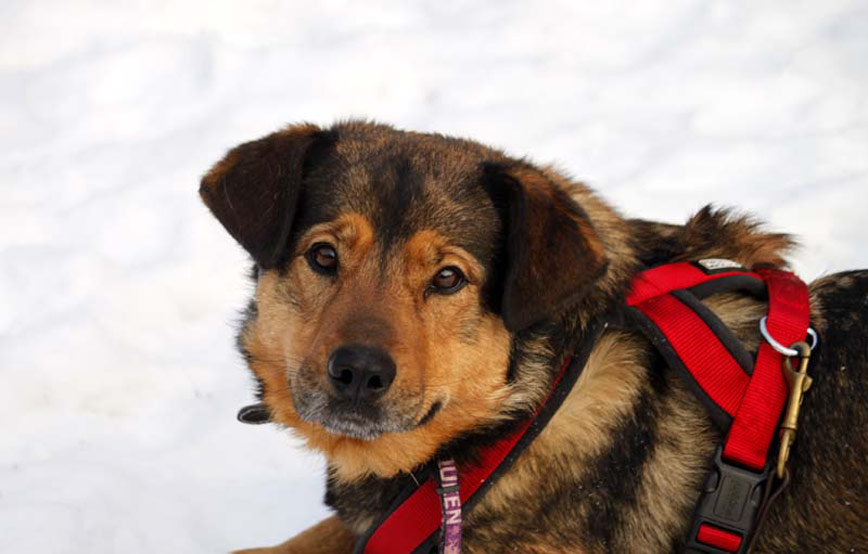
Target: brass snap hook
[(799, 382)]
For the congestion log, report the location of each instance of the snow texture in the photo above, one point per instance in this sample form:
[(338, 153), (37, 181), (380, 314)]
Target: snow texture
[(119, 293)]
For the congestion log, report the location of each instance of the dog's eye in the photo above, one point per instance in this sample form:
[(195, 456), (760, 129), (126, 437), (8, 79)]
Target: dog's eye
[(323, 258), (448, 280)]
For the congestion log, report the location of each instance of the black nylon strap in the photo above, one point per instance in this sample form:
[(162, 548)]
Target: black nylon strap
[(726, 337), (742, 283)]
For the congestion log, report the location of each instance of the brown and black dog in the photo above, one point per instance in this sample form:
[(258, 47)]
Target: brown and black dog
[(415, 294)]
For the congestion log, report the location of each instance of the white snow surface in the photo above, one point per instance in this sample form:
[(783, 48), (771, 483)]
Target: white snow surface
[(119, 292)]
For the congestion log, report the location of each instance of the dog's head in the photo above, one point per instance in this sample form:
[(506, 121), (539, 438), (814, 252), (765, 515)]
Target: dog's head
[(393, 271)]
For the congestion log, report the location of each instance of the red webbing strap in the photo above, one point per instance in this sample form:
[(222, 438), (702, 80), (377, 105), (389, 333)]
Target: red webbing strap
[(757, 416), (719, 538), (410, 525), (701, 352), (667, 278), (418, 517)]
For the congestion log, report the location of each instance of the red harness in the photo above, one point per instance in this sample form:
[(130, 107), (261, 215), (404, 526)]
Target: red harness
[(744, 398)]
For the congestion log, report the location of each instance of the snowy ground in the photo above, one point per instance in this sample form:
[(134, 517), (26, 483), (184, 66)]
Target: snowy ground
[(118, 291)]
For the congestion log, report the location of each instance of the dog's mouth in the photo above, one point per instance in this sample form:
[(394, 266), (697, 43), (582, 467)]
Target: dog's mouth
[(358, 421)]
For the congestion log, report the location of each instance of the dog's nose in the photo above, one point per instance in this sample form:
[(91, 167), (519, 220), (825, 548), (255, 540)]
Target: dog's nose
[(360, 372)]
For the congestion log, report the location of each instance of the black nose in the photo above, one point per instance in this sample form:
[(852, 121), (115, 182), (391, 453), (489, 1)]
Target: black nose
[(360, 372)]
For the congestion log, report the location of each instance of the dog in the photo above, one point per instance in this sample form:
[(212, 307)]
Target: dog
[(415, 295)]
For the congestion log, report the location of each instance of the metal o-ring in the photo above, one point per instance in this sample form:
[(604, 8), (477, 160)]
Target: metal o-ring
[(780, 347)]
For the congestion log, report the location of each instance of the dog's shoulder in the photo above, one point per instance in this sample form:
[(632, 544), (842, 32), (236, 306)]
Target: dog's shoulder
[(829, 481)]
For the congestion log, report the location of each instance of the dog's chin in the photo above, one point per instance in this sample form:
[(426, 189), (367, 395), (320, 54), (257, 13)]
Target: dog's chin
[(351, 428), (362, 428), (361, 422)]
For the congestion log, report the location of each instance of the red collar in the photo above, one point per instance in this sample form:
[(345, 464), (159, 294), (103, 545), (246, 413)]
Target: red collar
[(744, 398)]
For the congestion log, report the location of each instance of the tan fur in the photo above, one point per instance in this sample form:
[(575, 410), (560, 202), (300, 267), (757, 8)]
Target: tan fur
[(329, 536), (537, 183), (584, 426), (737, 237), (604, 392), (609, 226), (434, 339)]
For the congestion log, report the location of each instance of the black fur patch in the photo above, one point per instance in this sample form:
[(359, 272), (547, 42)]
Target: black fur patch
[(610, 485)]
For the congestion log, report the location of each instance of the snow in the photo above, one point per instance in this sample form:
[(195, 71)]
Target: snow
[(118, 292)]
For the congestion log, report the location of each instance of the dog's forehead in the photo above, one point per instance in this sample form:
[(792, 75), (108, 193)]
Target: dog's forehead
[(404, 183)]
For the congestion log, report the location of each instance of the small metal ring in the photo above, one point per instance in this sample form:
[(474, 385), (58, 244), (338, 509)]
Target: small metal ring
[(780, 347), (814, 337)]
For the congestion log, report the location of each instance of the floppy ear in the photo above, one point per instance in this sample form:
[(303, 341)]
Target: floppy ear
[(255, 189), (552, 254)]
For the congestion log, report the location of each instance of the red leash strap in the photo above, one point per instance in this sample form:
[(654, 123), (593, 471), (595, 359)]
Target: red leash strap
[(419, 516), (756, 419)]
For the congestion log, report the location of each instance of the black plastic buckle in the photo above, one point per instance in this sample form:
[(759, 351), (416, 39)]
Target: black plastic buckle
[(730, 501)]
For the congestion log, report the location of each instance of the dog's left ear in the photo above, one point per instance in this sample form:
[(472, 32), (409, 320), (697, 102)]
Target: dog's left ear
[(551, 254), (254, 190)]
